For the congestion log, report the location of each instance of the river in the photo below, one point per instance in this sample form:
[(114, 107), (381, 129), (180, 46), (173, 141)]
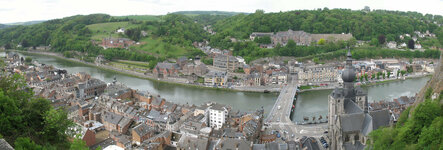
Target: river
[(315, 103), (311, 103)]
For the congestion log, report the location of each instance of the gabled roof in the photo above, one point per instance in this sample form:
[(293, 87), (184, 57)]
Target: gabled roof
[(351, 107), (142, 129), (380, 118), (352, 122), (112, 118)]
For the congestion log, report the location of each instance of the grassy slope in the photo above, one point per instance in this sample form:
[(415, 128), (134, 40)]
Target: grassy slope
[(160, 48), (102, 30)]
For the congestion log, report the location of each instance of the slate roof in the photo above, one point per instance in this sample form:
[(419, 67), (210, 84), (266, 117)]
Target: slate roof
[(218, 106), (156, 101), (230, 144), (352, 122), (193, 143), (124, 122), (310, 143), (351, 107), (259, 147), (215, 74), (112, 118), (380, 118), (142, 129)]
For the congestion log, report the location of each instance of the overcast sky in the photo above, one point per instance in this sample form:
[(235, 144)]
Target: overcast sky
[(29, 10)]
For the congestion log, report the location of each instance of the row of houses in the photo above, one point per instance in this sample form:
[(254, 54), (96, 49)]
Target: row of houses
[(182, 65), (135, 119)]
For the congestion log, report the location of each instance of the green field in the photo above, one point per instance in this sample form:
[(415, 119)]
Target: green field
[(102, 30), (139, 67), (160, 48), (140, 17)]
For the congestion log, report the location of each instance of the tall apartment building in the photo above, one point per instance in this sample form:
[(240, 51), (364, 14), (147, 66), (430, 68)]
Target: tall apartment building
[(218, 114), (229, 63)]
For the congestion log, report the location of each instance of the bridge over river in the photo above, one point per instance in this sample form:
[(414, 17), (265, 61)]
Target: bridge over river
[(278, 118)]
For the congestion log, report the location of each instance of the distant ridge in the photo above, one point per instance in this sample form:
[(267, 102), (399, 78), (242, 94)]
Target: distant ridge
[(228, 13), (4, 26), (26, 23)]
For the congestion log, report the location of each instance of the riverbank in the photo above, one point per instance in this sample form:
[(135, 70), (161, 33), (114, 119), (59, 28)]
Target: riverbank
[(146, 77), (370, 84)]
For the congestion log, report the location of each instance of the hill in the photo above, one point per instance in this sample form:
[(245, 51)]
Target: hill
[(181, 29), (363, 25), (139, 17), (26, 23), (195, 13), (102, 30), (4, 26)]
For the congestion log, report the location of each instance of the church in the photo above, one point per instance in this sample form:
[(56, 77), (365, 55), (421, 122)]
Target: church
[(350, 120)]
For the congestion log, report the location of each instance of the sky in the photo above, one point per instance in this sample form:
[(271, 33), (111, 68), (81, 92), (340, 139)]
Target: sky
[(30, 10)]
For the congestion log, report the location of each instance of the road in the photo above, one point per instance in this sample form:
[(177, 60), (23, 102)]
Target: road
[(279, 117)]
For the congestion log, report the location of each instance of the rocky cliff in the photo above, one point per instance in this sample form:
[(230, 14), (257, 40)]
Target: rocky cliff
[(436, 82)]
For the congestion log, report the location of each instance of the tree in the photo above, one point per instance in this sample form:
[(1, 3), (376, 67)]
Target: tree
[(28, 59), (56, 126), (8, 46), (366, 77), (24, 143), (381, 39), (403, 72), (374, 42), (316, 60), (431, 136), (411, 44), (321, 42), (388, 74), (78, 144)]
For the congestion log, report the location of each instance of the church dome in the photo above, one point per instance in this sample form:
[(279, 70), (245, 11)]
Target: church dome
[(348, 74)]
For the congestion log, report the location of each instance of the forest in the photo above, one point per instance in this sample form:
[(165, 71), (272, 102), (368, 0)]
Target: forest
[(182, 29)]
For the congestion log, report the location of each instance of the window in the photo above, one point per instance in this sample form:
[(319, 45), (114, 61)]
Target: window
[(356, 137), (346, 138)]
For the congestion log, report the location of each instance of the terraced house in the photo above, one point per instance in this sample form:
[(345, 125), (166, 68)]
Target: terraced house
[(317, 74)]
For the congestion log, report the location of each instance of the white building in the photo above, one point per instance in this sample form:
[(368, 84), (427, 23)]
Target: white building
[(121, 30), (391, 44), (417, 46), (317, 74), (218, 115)]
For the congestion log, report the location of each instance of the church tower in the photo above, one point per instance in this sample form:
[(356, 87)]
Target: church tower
[(349, 119)]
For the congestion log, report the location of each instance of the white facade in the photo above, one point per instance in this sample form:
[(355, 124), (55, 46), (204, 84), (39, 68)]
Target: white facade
[(317, 74), (217, 117)]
